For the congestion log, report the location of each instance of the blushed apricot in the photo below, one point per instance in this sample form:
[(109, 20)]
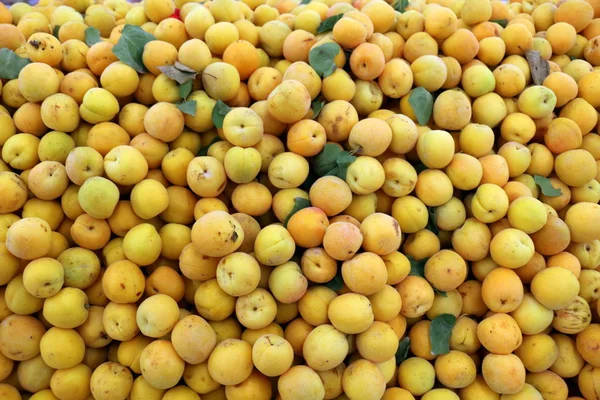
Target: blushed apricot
[(452, 110), (485, 29), (518, 39), (367, 61), (564, 87), (582, 112), (561, 36), (167, 281), (419, 44), (90, 233), (588, 88), (517, 156), (306, 137), (11, 36), (510, 80), (289, 101), (562, 135), (515, 189), (297, 45), (364, 273), (565, 260), (338, 117), (495, 169), (194, 54), (370, 137), (446, 270), (29, 238), (349, 33), (504, 374), (342, 240), (409, 23), (491, 50), (325, 190), (553, 238), (576, 13), (381, 14), (502, 290), (592, 30), (462, 45), (575, 167), (429, 72), (440, 22), (384, 43), (305, 74), (308, 227), (499, 333), (243, 56), (417, 296)]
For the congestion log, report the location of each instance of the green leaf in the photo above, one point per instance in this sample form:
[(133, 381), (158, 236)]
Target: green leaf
[(130, 47), (343, 161), (421, 102), (401, 5), (573, 58), (92, 36), (309, 181), (440, 292), (328, 23), (11, 64), (187, 107), (317, 106), (417, 268), (402, 352), (337, 283), (332, 160), (185, 89), (55, 31), (546, 186), (338, 171), (178, 72), (420, 167), (501, 22), (321, 58), (326, 160), (219, 112), (440, 332), (204, 150), (347, 66), (299, 204), (431, 222), (305, 2)]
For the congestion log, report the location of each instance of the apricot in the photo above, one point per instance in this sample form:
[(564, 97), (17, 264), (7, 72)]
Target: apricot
[(342, 240)]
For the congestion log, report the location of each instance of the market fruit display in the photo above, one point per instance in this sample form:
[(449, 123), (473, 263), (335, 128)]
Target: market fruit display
[(300, 200)]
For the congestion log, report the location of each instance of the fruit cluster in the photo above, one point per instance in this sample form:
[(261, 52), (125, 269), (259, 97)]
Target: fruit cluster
[(300, 200)]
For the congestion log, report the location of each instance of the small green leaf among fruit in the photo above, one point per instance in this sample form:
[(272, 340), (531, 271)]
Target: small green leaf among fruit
[(321, 58), (440, 332), (130, 47), (187, 107), (546, 186), (219, 112), (421, 102), (11, 64), (328, 23), (92, 36)]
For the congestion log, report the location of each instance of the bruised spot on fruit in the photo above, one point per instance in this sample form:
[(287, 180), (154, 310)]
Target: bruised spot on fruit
[(234, 236), (396, 227)]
